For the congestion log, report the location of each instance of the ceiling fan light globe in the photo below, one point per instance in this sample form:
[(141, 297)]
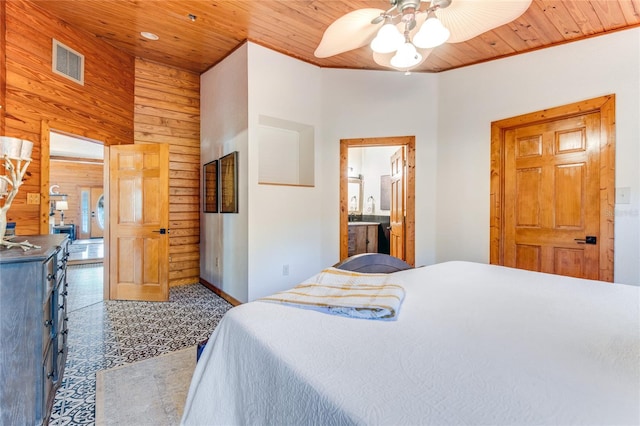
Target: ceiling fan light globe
[(406, 57), (387, 40), (431, 34)]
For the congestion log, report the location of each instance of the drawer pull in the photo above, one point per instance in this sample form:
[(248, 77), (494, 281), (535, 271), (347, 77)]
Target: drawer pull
[(62, 307), (61, 351), (50, 375), (48, 323), (51, 277)]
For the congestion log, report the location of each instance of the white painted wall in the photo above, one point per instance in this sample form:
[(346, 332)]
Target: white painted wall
[(224, 129), (69, 146), (285, 222), (365, 104), (471, 98), (374, 162), (450, 115)]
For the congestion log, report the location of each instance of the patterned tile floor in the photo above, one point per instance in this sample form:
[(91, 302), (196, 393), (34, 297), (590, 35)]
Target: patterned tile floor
[(106, 334)]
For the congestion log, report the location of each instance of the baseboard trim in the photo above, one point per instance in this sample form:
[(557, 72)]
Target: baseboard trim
[(216, 290)]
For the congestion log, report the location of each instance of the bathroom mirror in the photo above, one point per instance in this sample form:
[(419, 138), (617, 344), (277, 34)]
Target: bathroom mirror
[(355, 196)]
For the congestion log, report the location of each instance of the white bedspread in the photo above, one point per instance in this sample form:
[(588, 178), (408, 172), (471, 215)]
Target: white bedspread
[(474, 344)]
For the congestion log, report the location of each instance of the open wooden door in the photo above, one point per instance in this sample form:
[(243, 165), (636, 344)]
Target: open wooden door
[(397, 214), (138, 222)]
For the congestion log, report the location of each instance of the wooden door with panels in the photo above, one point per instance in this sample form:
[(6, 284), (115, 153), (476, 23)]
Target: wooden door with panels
[(397, 213), (553, 189), (138, 195)]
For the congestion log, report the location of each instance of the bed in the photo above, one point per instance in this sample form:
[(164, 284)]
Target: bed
[(472, 344)]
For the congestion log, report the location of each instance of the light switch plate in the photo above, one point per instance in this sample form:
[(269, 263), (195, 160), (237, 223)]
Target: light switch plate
[(623, 195), (33, 198)]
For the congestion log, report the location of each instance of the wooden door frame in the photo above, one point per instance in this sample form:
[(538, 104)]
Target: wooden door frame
[(71, 129), (605, 106), (81, 132), (3, 67), (406, 141)]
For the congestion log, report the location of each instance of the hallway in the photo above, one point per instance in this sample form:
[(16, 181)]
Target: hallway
[(86, 251)]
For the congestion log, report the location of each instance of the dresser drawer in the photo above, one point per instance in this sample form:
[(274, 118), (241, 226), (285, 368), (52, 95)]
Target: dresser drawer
[(48, 375), (47, 325), (61, 325), (60, 355), (62, 256), (50, 276)]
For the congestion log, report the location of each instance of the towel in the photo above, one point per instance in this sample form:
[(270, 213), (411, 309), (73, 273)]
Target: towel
[(346, 293)]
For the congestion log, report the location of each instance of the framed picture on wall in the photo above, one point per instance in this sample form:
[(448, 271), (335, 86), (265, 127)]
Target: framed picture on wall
[(211, 187), (229, 183)]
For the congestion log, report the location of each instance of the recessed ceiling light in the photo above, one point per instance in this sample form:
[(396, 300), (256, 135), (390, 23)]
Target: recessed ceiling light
[(150, 36)]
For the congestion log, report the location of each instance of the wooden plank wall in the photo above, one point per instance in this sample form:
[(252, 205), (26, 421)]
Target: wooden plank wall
[(167, 110), (3, 68), (71, 176), (101, 109)]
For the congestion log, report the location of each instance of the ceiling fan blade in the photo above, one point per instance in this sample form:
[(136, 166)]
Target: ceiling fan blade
[(384, 59), (469, 18), (348, 32)]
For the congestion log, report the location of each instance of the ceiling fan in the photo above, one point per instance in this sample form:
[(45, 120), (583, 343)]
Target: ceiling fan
[(403, 36)]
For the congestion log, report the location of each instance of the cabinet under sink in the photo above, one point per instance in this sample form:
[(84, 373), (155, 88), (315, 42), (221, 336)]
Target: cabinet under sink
[(363, 237)]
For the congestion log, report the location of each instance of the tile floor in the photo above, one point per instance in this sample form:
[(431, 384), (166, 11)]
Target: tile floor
[(106, 334)]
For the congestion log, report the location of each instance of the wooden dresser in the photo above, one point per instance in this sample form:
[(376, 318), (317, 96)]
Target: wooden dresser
[(33, 328)]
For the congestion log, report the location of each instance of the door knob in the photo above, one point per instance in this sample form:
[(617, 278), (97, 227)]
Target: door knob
[(589, 239), (162, 231)]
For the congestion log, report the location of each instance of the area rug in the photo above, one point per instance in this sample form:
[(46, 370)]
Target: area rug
[(148, 392)]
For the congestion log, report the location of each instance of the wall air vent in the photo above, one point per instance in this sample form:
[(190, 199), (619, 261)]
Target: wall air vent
[(67, 62)]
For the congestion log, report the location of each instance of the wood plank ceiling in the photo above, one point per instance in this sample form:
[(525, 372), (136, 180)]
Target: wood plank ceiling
[(295, 27)]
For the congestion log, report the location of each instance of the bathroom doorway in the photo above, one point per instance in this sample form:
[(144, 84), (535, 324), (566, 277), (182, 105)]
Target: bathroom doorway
[(405, 213)]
